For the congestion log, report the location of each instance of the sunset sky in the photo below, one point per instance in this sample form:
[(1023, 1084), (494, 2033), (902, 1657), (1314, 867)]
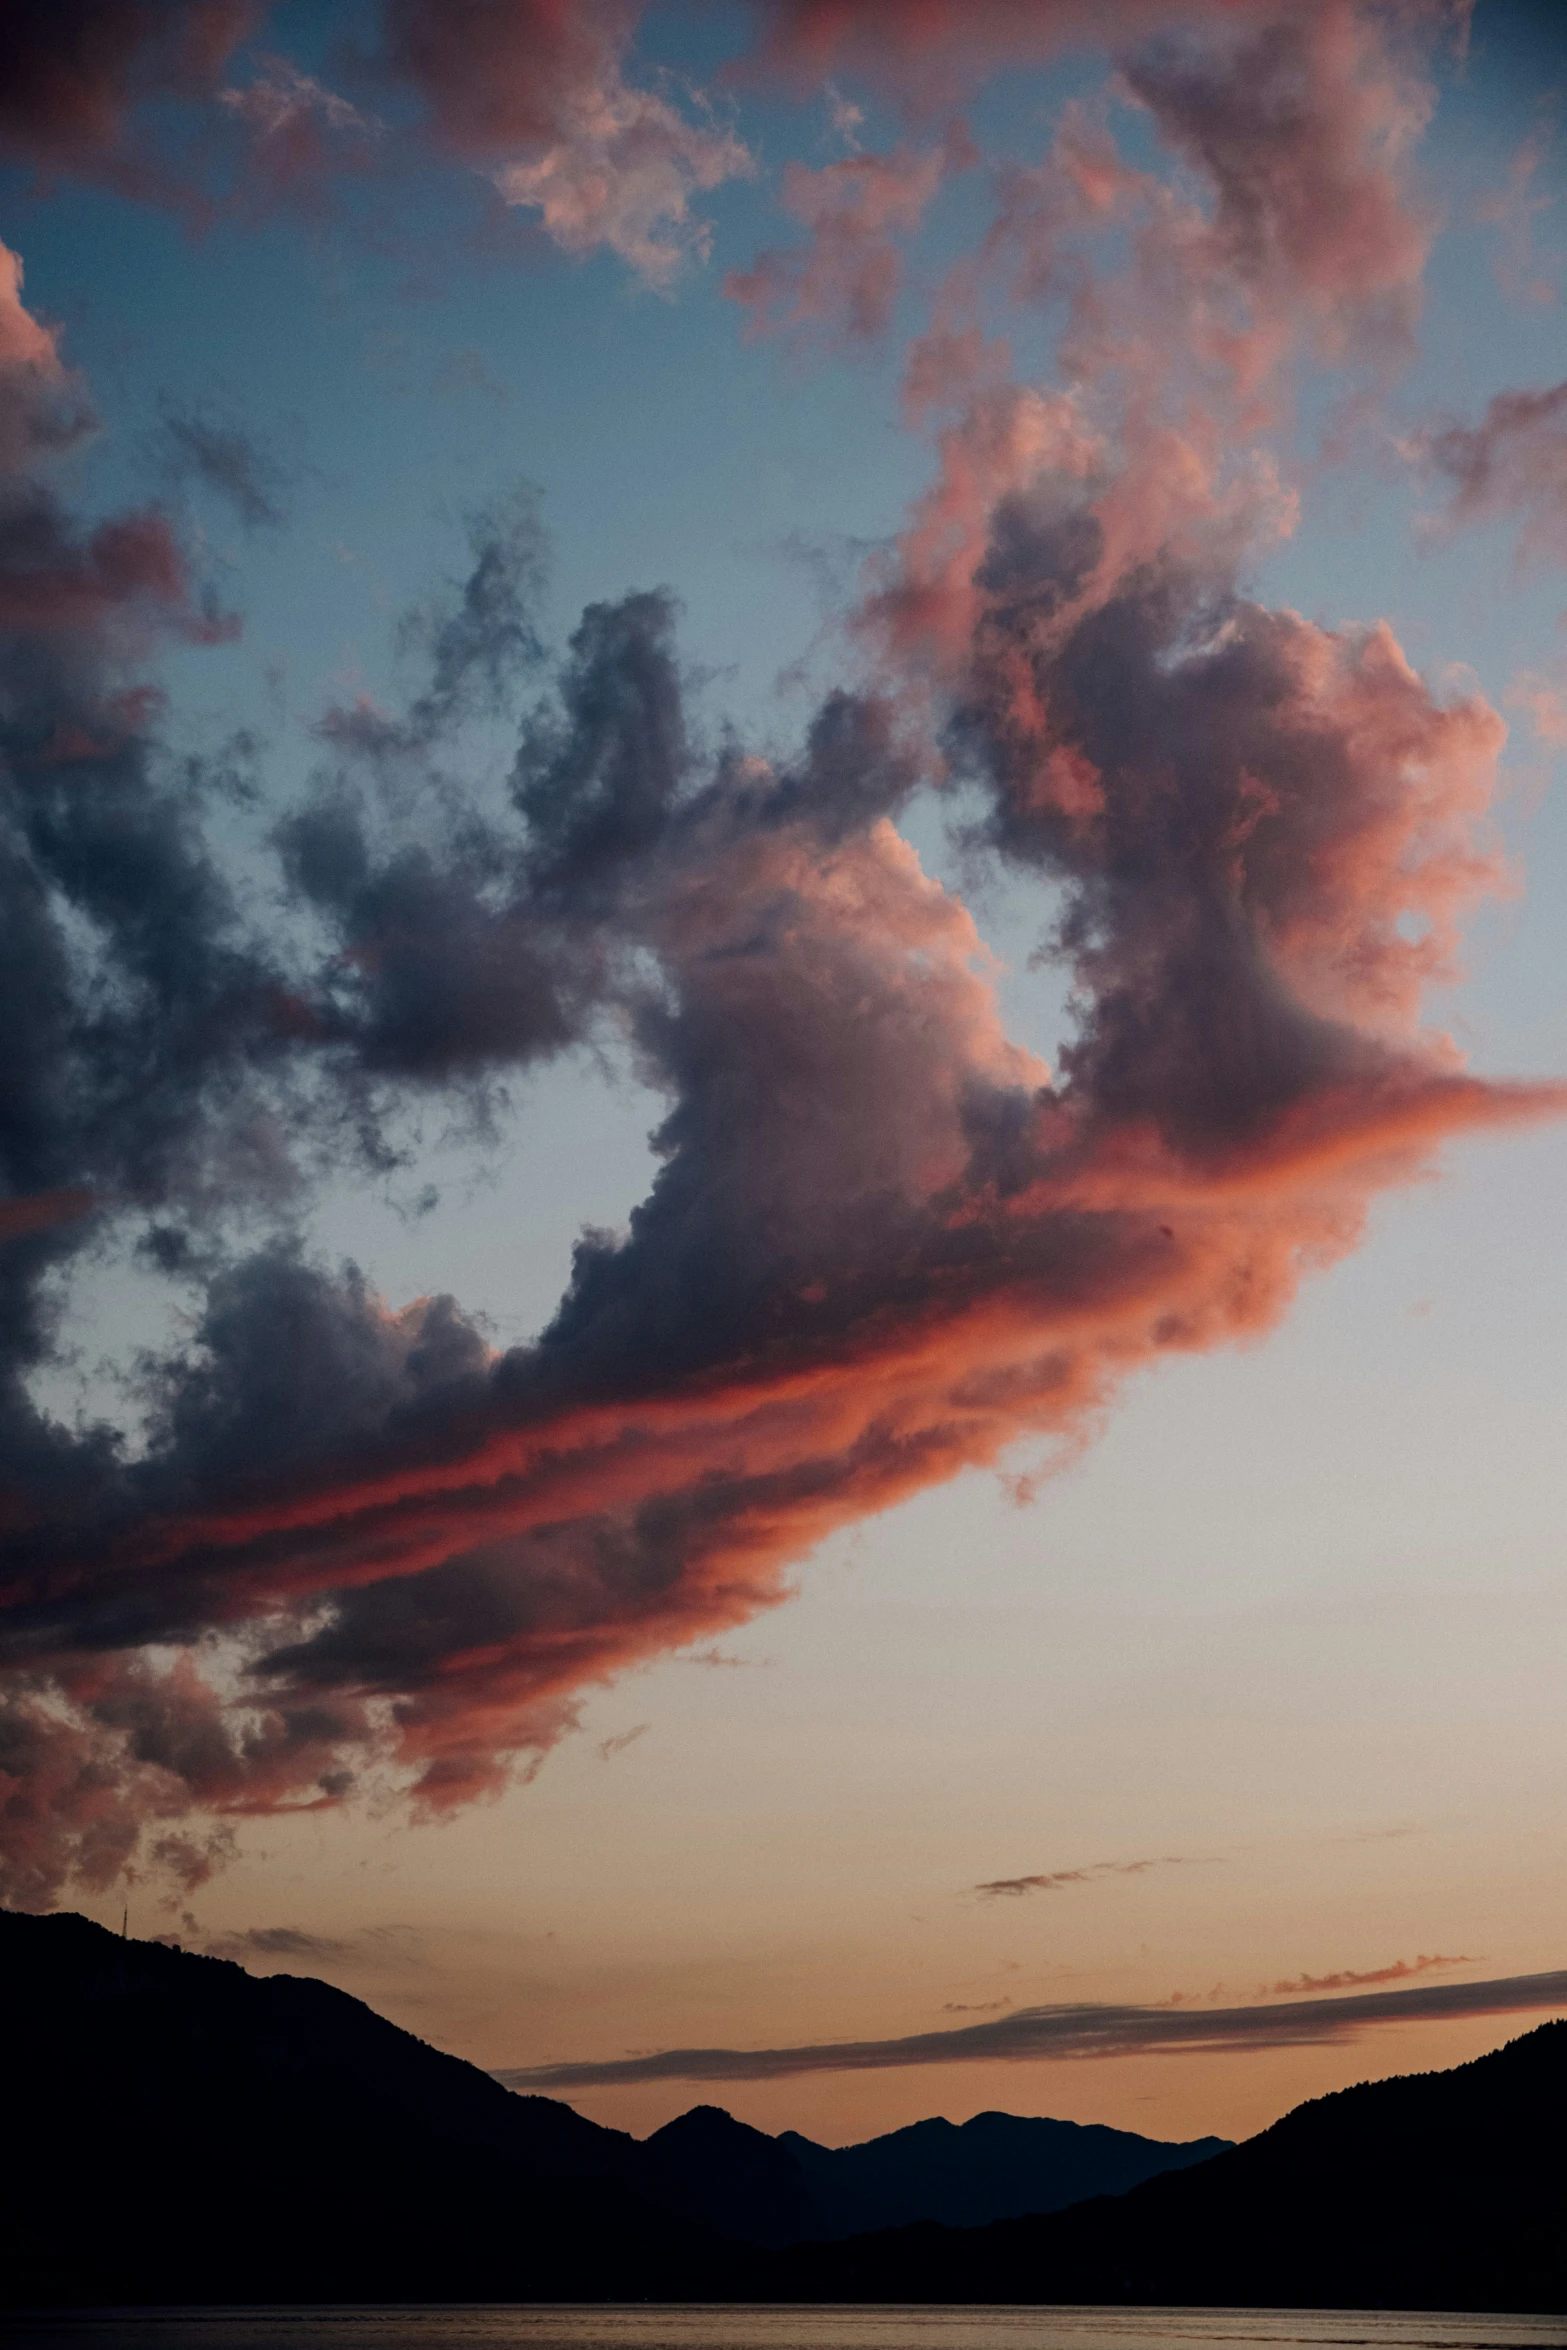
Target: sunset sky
[(783, 1081)]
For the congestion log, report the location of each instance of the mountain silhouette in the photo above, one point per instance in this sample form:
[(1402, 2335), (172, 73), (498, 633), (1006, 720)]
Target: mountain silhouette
[(715, 2169), (994, 2167), (1432, 2191), (180, 2130), (177, 2130), (786, 2189)]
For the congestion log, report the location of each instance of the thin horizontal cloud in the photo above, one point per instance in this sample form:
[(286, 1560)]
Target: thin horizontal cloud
[(268, 1949), (276, 1942), (1084, 2030), (1053, 1880), (1399, 1972), (610, 1747)]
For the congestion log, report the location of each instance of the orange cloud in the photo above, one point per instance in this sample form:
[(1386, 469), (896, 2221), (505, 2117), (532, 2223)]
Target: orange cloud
[(884, 1243), (1401, 1970)]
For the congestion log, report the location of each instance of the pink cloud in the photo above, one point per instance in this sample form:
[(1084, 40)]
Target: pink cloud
[(1513, 463), (535, 93), (844, 281), (1512, 211), (1546, 705)]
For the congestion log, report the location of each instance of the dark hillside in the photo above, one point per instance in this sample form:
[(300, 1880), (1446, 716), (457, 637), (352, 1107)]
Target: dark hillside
[(964, 2174), (785, 2190), (177, 2130), (224, 2137), (1433, 2191)]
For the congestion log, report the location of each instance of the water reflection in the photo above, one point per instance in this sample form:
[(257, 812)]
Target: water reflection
[(650, 2327)]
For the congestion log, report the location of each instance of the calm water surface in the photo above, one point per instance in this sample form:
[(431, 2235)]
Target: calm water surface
[(887, 2328)]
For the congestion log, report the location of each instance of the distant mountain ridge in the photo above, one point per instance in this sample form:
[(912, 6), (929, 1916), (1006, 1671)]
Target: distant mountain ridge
[(179, 2131), (999, 2165), (1428, 2191), (312, 2150)]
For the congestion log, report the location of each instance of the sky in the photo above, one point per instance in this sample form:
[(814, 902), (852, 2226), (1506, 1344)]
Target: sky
[(781, 1102)]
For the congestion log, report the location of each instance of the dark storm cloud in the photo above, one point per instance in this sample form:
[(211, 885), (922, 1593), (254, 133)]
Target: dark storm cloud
[(289, 1368), (139, 1033), (499, 946), (162, 1065), (478, 946), (433, 973), (1070, 2032), (485, 950), (597, 780)]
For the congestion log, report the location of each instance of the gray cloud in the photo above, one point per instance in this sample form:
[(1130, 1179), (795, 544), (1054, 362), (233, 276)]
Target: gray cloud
[(199, 446), (1513, 464), (1053, 1880), (1085, 2030), (276, 1942)]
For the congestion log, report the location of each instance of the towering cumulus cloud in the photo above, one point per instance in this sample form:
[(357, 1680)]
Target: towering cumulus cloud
[(884, 1243)]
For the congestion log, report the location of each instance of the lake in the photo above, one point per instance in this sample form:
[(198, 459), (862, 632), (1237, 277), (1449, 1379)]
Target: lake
[(655, 2327)]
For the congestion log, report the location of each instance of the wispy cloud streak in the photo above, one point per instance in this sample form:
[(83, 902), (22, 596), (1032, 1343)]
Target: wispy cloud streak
[(1076, 2032), (1053, 1880), (1347, 1979), (1512, 464)]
